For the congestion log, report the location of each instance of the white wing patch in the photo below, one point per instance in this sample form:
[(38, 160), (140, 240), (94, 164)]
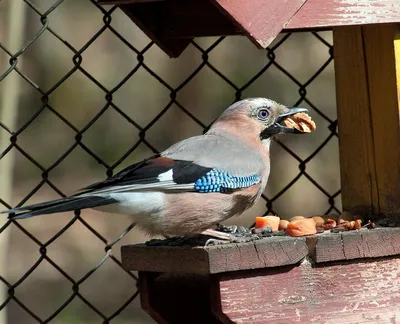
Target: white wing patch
[(166, 176)]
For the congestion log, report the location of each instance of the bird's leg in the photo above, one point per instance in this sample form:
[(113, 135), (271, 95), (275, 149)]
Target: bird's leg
[(205, 238), (221, 237), (239, 235), (217, 234)]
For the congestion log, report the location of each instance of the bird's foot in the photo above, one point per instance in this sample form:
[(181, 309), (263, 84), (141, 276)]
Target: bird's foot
[(222, 235), (233, 229), (235, 236), (217, 234)]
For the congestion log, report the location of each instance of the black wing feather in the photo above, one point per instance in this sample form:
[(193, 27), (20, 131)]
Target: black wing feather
[(144, 172), (60, 205), (147, 171)]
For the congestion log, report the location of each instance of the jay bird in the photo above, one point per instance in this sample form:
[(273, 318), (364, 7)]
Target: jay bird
[(196, 183)]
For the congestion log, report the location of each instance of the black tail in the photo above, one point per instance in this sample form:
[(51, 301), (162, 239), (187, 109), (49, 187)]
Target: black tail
[(58, 206)]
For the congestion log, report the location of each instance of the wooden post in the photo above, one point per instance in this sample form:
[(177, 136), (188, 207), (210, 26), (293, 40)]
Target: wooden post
[(367, 89)]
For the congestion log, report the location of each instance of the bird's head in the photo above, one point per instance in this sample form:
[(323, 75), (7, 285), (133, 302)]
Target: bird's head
[(264, 118)]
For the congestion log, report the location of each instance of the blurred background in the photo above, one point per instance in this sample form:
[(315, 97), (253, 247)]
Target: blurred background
[(36, 284)]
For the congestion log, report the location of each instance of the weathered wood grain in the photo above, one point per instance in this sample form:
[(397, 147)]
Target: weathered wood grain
[(350, 292), (384, 106), (269, 252), (266, 253), (368, 118), (357, 245), (330, 13), (358, 178)]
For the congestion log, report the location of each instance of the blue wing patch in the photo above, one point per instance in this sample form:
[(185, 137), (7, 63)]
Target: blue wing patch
[(221, 181)]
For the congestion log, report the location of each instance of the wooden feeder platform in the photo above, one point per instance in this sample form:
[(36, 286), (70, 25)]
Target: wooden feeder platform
[(352, 276)]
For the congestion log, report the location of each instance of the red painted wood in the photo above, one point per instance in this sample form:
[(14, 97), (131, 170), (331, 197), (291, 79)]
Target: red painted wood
[(173, 23), (351, 292), (329, 13), (261, 20)]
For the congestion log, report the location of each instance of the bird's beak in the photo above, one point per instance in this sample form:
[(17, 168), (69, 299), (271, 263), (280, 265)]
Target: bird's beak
[(282, 117), (277, 128)]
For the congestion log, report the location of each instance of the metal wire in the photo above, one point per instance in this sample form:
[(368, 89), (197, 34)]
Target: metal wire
[(110, 105)]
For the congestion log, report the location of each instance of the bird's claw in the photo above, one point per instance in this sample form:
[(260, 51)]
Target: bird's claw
[(213, 241), (233, 229), (226, 238)]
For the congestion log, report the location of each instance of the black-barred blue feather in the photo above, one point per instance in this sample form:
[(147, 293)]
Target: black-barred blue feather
[(221, 181)]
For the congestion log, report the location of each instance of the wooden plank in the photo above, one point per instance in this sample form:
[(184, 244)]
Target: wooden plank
[(363, 244), (354, 292), (397, 55), (262, 20), (384, 106), (265, 253), (269, 252), (368, 118), (330, 13), (355, 136)]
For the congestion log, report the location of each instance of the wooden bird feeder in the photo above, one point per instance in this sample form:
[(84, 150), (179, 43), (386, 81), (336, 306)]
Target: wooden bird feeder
[(344, 277)]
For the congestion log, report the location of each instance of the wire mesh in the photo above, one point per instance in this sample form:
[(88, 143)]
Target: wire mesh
[(76, 53)]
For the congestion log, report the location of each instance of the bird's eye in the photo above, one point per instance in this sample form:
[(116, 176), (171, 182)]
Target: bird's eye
[(263, 114)]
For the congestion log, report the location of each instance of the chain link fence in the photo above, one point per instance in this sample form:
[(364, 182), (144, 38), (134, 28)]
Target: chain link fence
[(163, 100)]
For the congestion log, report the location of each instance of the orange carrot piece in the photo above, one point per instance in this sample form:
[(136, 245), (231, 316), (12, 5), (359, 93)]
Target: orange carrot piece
[(272, 221), (261, 222), (301, 227)]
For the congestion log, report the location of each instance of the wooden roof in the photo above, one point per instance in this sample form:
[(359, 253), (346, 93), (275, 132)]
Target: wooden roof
[(172, 24)]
